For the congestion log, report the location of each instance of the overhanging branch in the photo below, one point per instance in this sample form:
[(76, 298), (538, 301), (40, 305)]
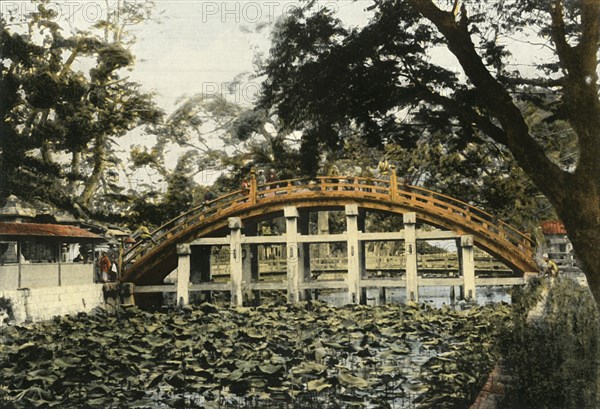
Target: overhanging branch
[(528, 153), (470, 115)]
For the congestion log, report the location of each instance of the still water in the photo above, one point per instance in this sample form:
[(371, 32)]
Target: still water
[(434, 296)]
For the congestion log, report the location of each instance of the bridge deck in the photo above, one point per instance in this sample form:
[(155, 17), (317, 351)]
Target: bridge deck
[(149, 263)]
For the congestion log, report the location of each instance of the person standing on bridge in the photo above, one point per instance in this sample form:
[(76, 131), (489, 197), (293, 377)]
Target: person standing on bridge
[(145, 234), (384, 168), (245, 187), (551, 269), (272, 178), (209, 196), (261, 179)]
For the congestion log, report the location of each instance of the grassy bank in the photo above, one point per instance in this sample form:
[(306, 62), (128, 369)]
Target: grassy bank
[(553, 359)]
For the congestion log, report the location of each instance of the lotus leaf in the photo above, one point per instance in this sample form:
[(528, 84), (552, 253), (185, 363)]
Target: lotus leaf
[(209, 350), (334, 345), (175, 379), (313, 368), (318, 385), (35, 395), (399, 349), (349, 380), (270, 369)]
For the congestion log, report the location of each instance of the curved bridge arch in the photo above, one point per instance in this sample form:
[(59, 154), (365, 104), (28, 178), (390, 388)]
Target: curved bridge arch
[(150, 263)]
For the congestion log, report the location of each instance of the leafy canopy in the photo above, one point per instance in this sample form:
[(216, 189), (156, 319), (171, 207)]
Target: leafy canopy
[(516, 81), (66, 96)]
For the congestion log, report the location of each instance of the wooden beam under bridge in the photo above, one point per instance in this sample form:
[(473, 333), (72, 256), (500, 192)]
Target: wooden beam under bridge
[(297, 282)]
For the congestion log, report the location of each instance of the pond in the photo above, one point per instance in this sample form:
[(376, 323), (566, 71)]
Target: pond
[(312, 355), (435, 296)]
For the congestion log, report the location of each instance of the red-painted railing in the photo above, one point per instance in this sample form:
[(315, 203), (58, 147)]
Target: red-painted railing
[(386, 190)]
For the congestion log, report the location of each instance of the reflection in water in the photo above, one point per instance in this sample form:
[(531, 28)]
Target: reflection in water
[(434, 296)]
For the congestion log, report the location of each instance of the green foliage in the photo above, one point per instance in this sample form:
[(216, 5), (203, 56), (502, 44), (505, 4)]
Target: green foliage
[(6, 305), (553, 359), (224, 139), (440, 124), (271, 356), (51, 110), (462, 362)]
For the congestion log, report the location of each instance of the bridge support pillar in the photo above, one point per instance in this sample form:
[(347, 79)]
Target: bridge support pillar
[(251, 270), (201, 264), (294, 265), (183, 274), (467, 265), (410, 250), (235, 258), (304, 255), (355, 250)]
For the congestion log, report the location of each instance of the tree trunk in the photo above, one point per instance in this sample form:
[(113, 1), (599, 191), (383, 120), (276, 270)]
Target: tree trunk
[(580, 212), (575, 196), (75, 170), (584, 238), (92, 182)]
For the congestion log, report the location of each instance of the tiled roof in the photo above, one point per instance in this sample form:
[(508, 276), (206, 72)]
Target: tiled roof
[(553, 227), (45, 230), (14, 207)]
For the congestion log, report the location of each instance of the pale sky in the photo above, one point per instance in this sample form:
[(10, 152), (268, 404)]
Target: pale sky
[(196, 46), (200, 45)]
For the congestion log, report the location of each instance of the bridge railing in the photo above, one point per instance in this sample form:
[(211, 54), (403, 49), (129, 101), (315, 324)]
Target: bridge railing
[(381, 189), (489, 224), (183, 221)]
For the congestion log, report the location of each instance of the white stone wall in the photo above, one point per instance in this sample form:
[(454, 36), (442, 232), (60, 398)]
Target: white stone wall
[(39, 275), (43, 275), (76, 274), (38, 304), (9, 277)]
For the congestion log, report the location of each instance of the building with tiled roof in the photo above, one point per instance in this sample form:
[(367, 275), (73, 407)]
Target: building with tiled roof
[(557, 244)]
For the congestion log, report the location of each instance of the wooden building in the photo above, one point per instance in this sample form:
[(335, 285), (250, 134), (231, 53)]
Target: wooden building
[(36, 255)]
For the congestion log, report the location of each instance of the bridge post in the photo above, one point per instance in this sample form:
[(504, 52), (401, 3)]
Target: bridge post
[(467, 266), (410, 250), (304, 254), (293, 265), (253, 186), (354, 249), (250, 264), (235, 258), (183, 274), (393, 183)]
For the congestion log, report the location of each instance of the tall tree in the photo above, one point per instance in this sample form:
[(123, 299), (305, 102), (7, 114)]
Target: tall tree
[(385, 79), (226, 137), (52, 108)]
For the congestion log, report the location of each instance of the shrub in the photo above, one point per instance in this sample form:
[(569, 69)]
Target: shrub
[(7, 305), (553, 360)]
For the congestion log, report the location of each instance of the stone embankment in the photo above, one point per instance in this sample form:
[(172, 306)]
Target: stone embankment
[(493, 391)]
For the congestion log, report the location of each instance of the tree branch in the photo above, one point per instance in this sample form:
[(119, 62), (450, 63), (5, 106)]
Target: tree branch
[(558, 35), (470, 115), (528, 153), (456, 8), (537, 82), (580, 82)]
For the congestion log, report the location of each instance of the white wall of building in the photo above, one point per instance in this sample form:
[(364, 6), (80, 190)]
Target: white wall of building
[(38, 304)]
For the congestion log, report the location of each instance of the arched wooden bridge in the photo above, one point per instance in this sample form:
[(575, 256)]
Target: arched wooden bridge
[(150, 261)]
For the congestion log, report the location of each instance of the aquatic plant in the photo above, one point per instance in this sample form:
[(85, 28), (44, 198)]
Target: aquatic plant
[(306, 356)]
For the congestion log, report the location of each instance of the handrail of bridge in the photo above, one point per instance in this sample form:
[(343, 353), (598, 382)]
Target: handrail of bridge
[(391, 189)]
